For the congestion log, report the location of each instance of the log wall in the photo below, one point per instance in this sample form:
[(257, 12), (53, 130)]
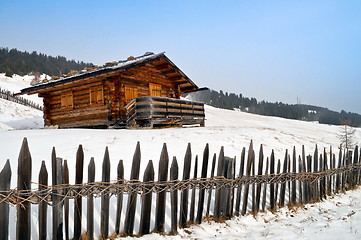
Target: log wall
[(111, 110)]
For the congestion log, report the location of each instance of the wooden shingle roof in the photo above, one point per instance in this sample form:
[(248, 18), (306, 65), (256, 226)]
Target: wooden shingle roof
[(160, 61)]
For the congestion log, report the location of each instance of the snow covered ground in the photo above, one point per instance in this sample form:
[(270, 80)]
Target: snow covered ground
[(234, 130), (338, 217)]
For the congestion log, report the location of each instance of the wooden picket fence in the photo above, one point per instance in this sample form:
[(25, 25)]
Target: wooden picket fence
[(222, 193), (12, 97)]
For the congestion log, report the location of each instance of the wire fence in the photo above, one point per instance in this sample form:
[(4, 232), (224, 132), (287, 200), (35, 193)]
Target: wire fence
[(10, 96), (221, 192)]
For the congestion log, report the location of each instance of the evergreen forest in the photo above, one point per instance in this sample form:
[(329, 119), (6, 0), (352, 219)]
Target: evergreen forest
[(14, 61)]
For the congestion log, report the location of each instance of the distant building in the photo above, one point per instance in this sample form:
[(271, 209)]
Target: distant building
[(142, 91)]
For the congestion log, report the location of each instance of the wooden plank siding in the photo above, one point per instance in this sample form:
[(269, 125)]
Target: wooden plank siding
[(99, 99)]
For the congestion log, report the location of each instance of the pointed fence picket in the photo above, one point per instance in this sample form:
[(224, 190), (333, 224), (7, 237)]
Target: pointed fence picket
[(304, 179)]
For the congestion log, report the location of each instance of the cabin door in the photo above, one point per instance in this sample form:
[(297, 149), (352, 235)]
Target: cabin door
[(130, 93)]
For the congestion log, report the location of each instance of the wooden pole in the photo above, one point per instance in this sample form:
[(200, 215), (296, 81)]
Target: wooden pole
[(104, 215), (57, 202), (144, 225), (272, 185), (220, 173), (265, 187), (210, 190), (202, 190), (23, 226), (5, 179), (239, 188), (283, 185), (43, 207), (120, 172), (161, 196), (90, 201), (250, 161), (132, 197), (259, 185), (66, 201), (294, 190), (300, 183), (174, 197), (77, 200), (183, 210), (193, 196)]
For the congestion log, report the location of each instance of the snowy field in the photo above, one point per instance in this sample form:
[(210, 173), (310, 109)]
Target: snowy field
[(334, 218)]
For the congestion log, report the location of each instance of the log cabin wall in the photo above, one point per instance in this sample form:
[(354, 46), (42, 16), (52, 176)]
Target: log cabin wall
[(87, 106), (98, 96), (141, 79), (72, 105)]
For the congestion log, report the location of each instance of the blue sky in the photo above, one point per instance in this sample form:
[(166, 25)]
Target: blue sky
[(271, 50)]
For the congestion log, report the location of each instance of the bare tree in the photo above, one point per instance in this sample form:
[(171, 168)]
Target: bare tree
[(346, 135)]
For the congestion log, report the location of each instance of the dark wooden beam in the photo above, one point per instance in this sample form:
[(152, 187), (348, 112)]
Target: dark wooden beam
[(161, 66), (170, 71), (175, 78)]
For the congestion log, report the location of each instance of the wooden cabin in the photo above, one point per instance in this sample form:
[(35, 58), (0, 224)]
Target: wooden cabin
[(143, 91)]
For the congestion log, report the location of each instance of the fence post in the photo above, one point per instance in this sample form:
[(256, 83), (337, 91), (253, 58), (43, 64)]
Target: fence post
[(120, 180), (210, 190), (202, 190), (355, 161), (183, 210), (300, 182), (43, 207), (104, 215), (5, 178), (315, 169), (230, 175), (58, 205), (161, 196), (23, 226), (77, 200), (272, 185), (240, 175), (174, 196), (193, 196), (220, 173), (90, 201), (66, 201), (148, 176), (293, 183), (265, 187), (132, 196), (250, 163), (259, 185), (305, 183), (310, 190), (283, 185)]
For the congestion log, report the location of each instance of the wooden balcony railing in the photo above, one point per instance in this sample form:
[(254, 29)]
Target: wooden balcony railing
[(159, 111)]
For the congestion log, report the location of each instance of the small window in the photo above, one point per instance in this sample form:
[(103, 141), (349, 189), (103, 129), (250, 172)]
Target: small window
[(96, 95), (130, 93), (155, 89), (67, 100)]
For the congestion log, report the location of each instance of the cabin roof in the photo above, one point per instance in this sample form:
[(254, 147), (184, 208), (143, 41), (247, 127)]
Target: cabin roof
[(185, 83)]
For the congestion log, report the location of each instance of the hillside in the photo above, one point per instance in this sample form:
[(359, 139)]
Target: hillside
[(290, 111), (338, 216)]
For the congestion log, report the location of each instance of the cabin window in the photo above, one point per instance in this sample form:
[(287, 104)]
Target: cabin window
[(67, 100), (155, 89), (130, 93), (96, 95)]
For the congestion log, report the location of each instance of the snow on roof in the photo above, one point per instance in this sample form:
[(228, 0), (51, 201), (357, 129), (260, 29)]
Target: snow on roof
[(106, 68)]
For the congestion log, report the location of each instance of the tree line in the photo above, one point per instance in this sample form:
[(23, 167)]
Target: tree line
[(13, 61), (291, 111)]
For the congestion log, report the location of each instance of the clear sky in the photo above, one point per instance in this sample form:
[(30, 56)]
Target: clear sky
[(271, 50)]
